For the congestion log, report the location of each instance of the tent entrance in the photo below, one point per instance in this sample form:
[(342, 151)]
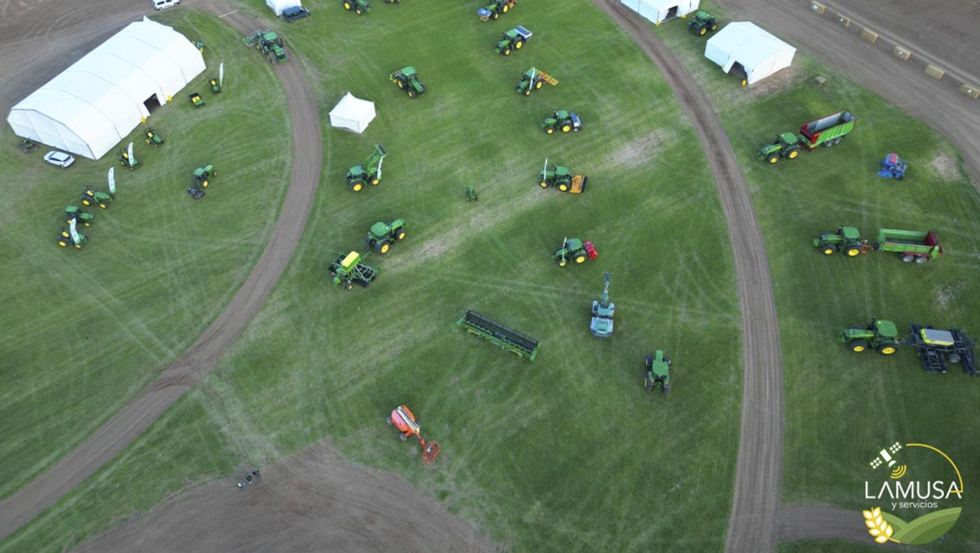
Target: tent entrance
[(739, 71), (671, 13), (151, 103)]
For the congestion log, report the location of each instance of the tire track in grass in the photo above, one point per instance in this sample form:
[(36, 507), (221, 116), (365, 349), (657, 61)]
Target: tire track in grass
[(758, 471)]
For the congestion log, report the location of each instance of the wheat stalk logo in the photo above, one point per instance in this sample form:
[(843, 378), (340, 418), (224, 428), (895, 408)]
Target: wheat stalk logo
[(877, 526)]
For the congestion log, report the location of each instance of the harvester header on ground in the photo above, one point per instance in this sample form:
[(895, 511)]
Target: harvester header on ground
[(496, 333)]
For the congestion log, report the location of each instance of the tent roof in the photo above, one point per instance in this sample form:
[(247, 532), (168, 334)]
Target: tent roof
[(748, 43), (350, 107)]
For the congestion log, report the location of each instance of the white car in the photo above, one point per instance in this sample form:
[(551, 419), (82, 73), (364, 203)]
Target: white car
[(61, 159), (164, 4)]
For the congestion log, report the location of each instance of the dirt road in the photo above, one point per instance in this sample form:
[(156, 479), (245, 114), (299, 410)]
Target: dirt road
[(758, 471)]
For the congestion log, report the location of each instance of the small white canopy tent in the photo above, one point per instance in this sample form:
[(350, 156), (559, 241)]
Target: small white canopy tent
[(352, 113), (744, 45), (91, 106), (278, 5), (658, 11)]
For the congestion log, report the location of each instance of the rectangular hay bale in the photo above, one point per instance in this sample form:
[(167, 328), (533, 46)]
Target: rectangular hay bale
[(869, 35)]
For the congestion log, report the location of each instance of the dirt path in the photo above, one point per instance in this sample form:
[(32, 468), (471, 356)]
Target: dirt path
[(758, 471), (134, 418)]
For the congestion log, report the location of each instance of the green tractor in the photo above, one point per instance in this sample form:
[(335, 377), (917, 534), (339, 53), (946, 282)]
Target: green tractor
[(562, 178), (534, 79), (203, 174), (382, 235), (847, 240), (75, 213), (92, 197), (28, 146), (368, 172), (514, 39), (360, 7), (269, 43), (658, 372), (215, 86), (565, 120), (71, 237), (407, 79), (153, 138), (471, 195), (348, 269), (602, 311), (495, 8), (197, 100), (701, 22), (880, 335), (573, 249)]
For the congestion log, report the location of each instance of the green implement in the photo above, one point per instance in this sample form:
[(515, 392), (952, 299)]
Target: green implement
[(879, 335), (496, 333), (368, 172), (658, 372), (826, 131), (349, 269), (908, 244), (407, 79)]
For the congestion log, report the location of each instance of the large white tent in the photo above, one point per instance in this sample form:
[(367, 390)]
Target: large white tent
[(278, 5), (91, 106), (352, 113), (658, 11), (747, 48)]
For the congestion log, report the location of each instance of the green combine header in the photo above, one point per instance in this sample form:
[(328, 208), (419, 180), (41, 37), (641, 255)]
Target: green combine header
[(498, 334)]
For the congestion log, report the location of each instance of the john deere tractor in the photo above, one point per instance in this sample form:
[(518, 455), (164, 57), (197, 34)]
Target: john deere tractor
[(565, 121), (847, 240), (75, 213), (382, 235), (153, 138), (369, 171), (495, 8), (573, 249), (92, 197), (407, 79), (202, 176), (360, 7), (562, 178), (534, 79), (879, 334), (269, 43), (348, 269), (126, 161), (658, 372), (514, 39), (71, 237), (701, 22)]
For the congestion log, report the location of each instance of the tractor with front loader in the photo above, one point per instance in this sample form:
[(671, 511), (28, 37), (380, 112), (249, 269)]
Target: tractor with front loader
[(349, 269), (573, 249), (382, 235), (658, 372), (360, 7), (92, 197), (75, 213), (879, 335), (602, 311), (269, 43), (404, 420), (407, 79), (534, 79), (565, 121), (702, 22), (495, 8), (368, 172), (826, 131), (562, 178), (514, 39)]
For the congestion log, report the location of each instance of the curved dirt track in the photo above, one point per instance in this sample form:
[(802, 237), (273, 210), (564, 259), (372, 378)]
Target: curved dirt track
[(759, 469), (19, 508)]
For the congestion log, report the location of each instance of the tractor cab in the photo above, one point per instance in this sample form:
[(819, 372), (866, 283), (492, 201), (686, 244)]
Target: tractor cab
[(658, 372)]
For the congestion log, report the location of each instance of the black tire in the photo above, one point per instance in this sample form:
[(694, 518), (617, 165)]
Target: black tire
[(773, 158), (702, 31), (714, 27), (411, 94), (539, 84), (792, 154), (382, 247), (563, 186), (828, 249), (495, 15), (549, 130), (908, 258), (403, 436), (400, 235), (887, 349), (954, 358), (858, 345), (506, 51)]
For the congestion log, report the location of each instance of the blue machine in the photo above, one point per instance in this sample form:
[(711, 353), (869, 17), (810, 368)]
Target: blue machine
[(892, 167)]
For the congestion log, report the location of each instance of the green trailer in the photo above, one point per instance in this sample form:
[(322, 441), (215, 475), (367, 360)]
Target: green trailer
[(910, 245), (826, 131), (500, 335)]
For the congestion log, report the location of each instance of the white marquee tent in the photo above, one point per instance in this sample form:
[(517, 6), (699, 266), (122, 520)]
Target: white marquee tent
[(658, 11), (352, 113), (91, 106), (747, 48), (278, 5)]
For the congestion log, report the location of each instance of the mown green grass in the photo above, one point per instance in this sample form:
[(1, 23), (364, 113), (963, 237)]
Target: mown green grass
[(151, 468), (84, 330), (842, 407), (566, 453)]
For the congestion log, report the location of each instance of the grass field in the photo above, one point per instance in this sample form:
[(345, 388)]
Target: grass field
[(841, 407), (86, 329)]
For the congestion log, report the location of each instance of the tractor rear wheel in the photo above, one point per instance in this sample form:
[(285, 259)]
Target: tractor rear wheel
[(356, 187), (347, 6), (383, 248), (828, 249), (566, 127), (580, 258), (887, 349), (563, 186), (505, 8), (773, 158), (793, 154), (519, 44), (853, 251), (400, 235), (857, 345)]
